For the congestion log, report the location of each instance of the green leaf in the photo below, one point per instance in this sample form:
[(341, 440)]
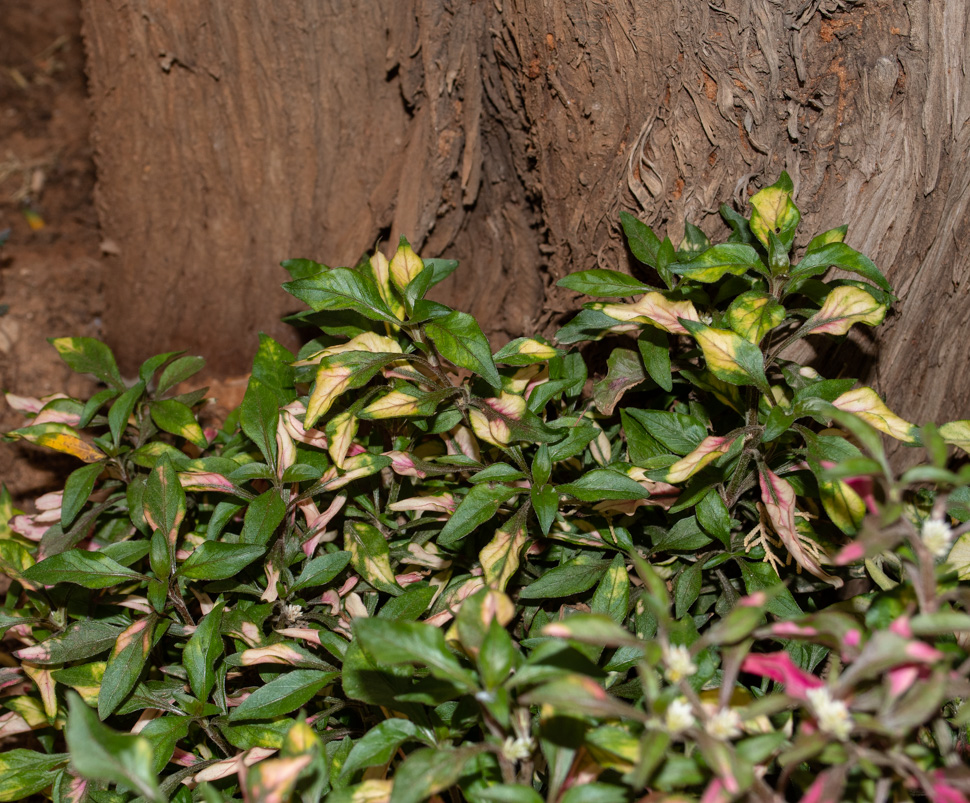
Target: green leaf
[(370, 555), (545, 502), (84, 568), (409, 605), (480, 504), (762, 577), (79, 640), (573, 577), (85, 355), (101, 754), (77, 489), (712, 264), (125, 664), (214, 560), (163, 734), (460, 339), (839, 255), (624, 371), (687, 588), (342, 288), (389, 642), (655, 353), (284, 694), (272, 367), (679, 433), (643, 243), (604, 283), (259, 416), (152, 364), (612, 596), (685, 536), (713, 516), (380, 743), (164, 500), (604, 483), (174, 417), (263, 516), (321, 570), (178, 371), (202, 650), (429, 771), (302, 268), (595, 792), (25, 772), (121, 410)]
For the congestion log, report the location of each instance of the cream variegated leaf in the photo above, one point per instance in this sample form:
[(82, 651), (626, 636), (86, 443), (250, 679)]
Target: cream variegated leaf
[(866, 404), (709, 450), (654, 309), (843, 307)]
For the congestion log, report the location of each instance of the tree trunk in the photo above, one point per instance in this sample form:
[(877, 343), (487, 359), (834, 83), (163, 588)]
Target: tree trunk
[(509, 134)]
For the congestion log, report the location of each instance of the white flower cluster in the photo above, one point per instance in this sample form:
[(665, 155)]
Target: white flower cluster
[(937, 537), (517, 749), (291, 614), (678, 662), (724, 725), (832, 715), (679, 716)]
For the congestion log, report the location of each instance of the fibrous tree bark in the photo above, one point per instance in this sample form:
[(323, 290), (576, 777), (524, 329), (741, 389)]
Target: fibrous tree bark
[(509, 134)]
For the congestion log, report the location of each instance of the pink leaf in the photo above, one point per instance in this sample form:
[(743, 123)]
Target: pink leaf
[(779, 501), (778, 666)]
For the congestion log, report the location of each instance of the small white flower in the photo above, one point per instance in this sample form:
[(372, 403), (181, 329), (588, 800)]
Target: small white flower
[(679, 664), (517, 749), (724, 725), (291, 613), (679, 716), (937, 536), (832, 715)]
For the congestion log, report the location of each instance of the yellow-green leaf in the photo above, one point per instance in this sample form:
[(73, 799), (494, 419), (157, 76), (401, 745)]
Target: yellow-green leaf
[(866, 404), (844, 506), (957, 433), (729, 356), (370, 556), (772, 210), (843, 307), (60, 438), (396, 404), (752, 315), (500, 556), (709, 449), (340, 430), (654, 309)]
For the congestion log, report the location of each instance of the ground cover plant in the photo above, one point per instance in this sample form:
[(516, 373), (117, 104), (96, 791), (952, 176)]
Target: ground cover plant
[(653, 560)]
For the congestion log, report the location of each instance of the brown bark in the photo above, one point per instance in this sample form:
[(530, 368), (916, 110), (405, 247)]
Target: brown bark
[(509, 134)]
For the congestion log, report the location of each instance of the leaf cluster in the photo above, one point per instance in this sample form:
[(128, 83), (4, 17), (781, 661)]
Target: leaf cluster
[(409, 565)]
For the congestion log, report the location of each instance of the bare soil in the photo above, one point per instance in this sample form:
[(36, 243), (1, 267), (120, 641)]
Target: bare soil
[(51, 272)]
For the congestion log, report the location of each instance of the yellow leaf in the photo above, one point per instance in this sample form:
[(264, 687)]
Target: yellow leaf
[(395, 404), (957, 433), (772, 210), (709, 449), (381, 269), (866, 404), (654, 309), (845, 306), (329, 384), (405, 265)]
